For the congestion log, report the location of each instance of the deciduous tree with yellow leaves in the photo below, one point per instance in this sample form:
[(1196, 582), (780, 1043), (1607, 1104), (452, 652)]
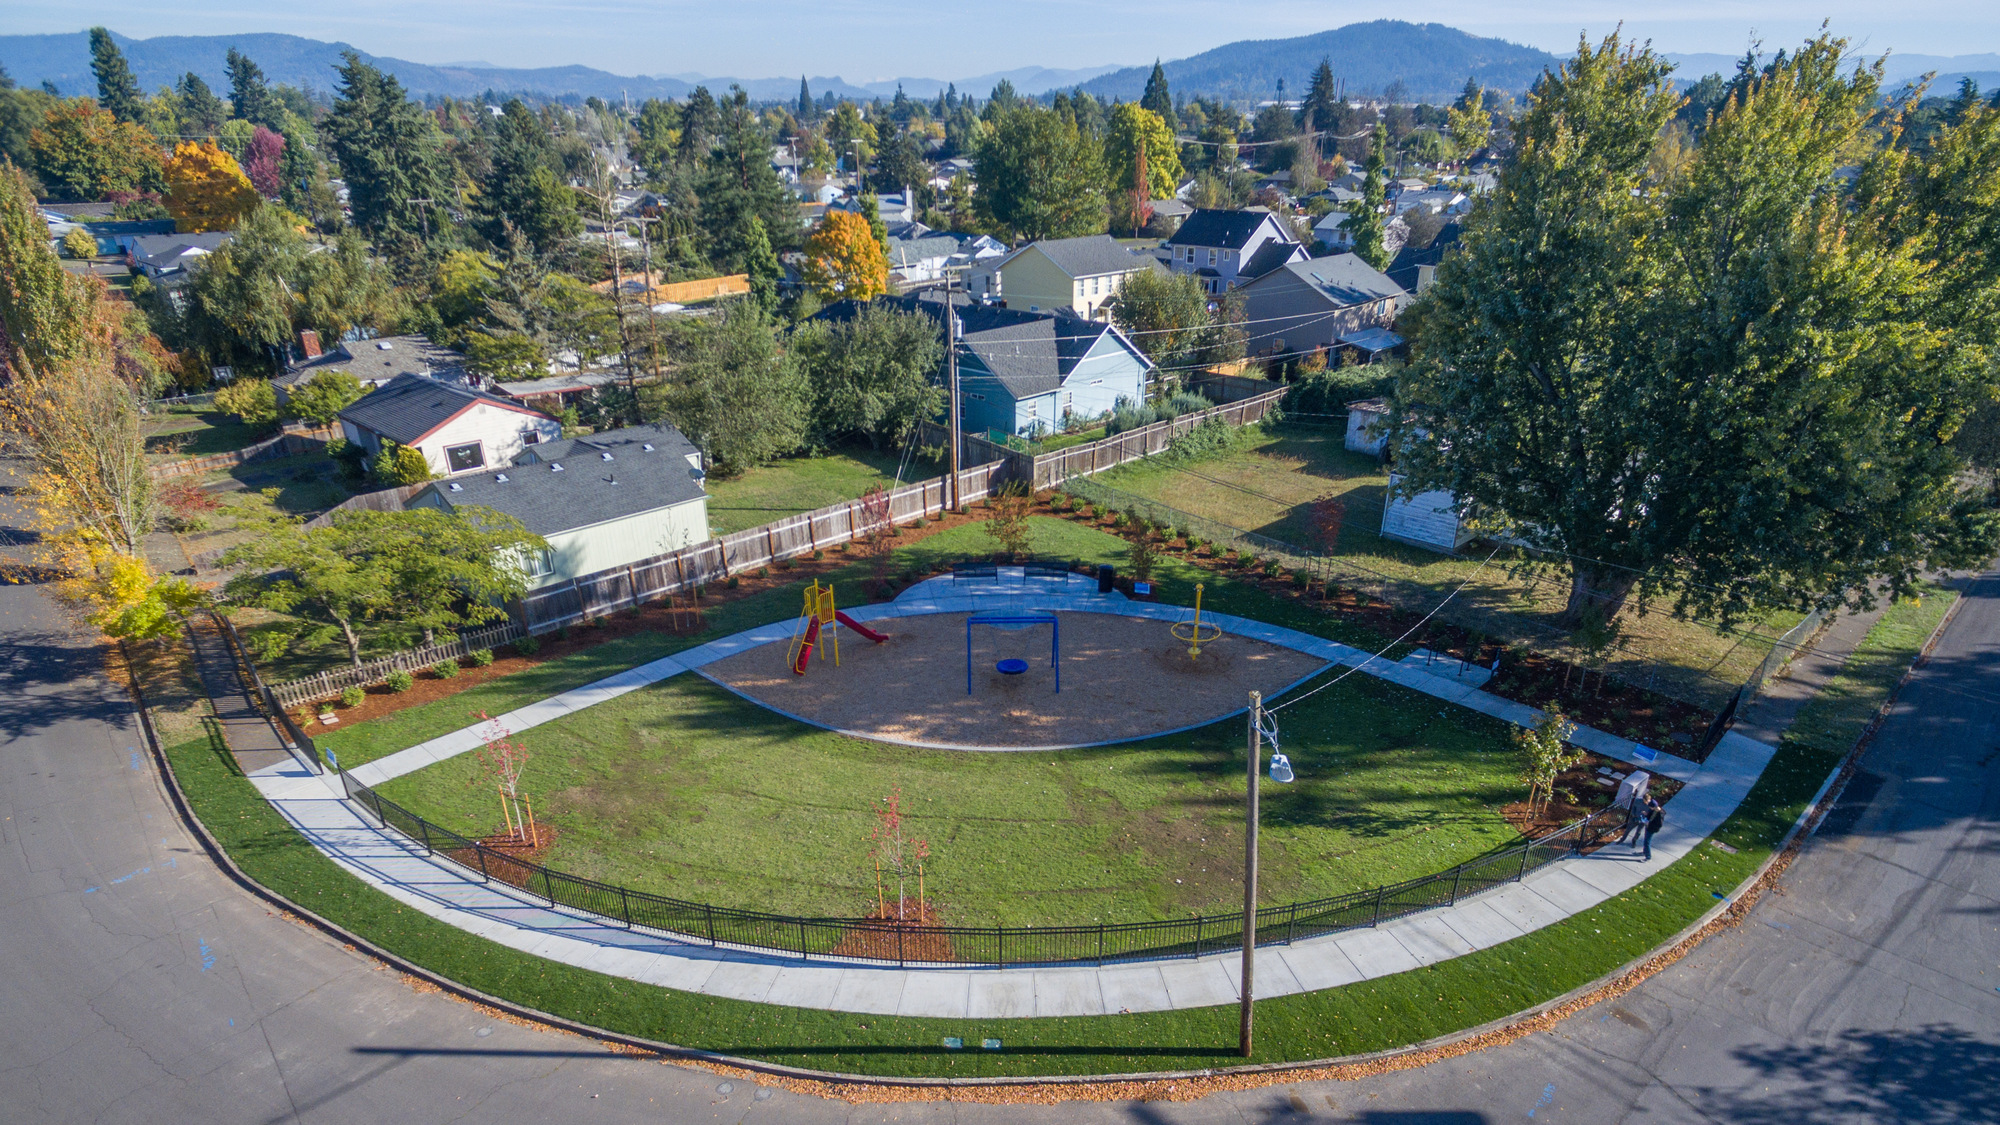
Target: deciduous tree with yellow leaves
[(843, 259), (206, 189)]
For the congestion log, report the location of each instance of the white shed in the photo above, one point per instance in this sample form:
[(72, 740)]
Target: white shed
[(1364, 435), (1428, 519)]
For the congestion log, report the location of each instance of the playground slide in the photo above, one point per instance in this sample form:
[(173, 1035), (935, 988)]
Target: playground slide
[(806, 649), (858, 627)]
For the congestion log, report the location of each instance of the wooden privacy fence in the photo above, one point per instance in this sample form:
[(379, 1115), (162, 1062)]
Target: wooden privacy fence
[(716, 559), (291, 443), (328, 684), (387, 500)]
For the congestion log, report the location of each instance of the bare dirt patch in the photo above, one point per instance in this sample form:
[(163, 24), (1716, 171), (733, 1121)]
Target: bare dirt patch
[(1122, 678)]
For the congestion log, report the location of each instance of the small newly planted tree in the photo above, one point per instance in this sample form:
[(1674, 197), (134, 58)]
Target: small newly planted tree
[(895, 847), (1009, 524), (502, 761), (1545, 755)]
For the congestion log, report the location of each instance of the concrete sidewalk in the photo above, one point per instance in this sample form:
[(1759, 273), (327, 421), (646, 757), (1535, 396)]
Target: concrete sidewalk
[(250, 735), (513, 917)]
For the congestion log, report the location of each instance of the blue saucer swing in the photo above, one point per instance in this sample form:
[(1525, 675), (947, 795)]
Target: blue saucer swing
[(1011, 622)]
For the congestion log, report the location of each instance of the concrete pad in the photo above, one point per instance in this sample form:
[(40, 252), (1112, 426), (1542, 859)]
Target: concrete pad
[(1134, 988), (867, 990), (1274, 975), (1198, 984), (1320, 964), (1479, 923), (1376, 953), (1523, 907), (933, 993), (1000, 995), (1067, 992), (1428, 938), (1613, 871), (688, 975)]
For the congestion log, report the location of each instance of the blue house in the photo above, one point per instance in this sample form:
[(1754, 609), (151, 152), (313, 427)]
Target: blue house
[(1028, 373)]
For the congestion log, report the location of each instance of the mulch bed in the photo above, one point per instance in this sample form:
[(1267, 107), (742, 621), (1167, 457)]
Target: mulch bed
[(1582, 783), (513, 847), (883, 942)]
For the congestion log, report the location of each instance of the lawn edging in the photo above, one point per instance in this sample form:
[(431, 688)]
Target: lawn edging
[(1186, 1083)]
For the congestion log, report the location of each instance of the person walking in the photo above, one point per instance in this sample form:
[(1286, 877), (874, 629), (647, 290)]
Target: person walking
[(1655, 816), (1631, 797)]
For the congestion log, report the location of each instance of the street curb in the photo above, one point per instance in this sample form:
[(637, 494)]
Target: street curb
[(1143, 1084)]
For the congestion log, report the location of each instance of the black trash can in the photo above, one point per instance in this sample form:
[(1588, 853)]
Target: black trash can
[(1104, 578)]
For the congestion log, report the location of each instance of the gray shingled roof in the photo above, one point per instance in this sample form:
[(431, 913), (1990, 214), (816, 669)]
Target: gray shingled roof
[(409, 406), (661, 436), (377, 361), (910, 251), (169, 251), (1091, 255), (587, 489), (1030, 353), (1227, 230), (1344, 279), (1270, 256)]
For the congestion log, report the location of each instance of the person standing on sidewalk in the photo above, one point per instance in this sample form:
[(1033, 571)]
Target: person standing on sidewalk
[(1654, 817), (1631, 797)]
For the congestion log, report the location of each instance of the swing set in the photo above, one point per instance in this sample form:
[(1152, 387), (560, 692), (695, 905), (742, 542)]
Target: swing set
[(815, 620), (1013, 623)]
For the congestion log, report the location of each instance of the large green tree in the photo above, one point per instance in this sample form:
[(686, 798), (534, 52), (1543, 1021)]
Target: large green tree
[(521, 190), (1157, 97), (1039, 176), (1166, 316), (390, 153), (201, 112), (117, 90), (739, 186), (1734, 388), (250, 97), (873, 378), (1364, 221), (732, 392)]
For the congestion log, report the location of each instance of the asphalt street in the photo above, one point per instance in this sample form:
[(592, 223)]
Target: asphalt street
[(142, 985)]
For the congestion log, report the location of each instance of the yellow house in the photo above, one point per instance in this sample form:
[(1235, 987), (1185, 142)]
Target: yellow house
[(1079, 274)]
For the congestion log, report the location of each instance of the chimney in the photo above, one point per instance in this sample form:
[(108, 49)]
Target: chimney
[(309, 344)]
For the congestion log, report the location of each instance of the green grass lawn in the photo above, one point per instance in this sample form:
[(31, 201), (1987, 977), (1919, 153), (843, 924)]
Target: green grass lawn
[(1834, 718), (1269, 484), (1373, 1015), (174, 435), (685, 789), (1174, 582), (801, 484)]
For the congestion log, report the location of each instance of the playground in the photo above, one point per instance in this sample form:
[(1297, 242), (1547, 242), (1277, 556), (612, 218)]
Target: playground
[(1122, 678)]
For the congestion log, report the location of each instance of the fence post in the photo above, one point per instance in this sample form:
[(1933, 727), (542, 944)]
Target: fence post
[(1100, 945), (625, 901), (803, 956), (899, 944), (424, 831), (1379, 892), (1198, 921), (1455, 873), (480, 851), (548, 885), (1292, 924), (710, 908)]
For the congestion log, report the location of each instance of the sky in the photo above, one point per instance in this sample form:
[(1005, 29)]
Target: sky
[(873, 40)]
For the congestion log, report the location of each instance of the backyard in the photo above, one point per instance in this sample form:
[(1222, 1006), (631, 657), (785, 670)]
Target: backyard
[(177, 432), (801, 484)]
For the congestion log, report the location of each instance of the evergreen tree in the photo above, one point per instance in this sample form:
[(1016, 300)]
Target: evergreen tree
[(761, 263), (805, 100), (390, 152), (117, 90), (522, 191), (202, 113), (1156, 97), (1321, 111), (701, 120), (1366, 220), (249, 98), (740, 185)]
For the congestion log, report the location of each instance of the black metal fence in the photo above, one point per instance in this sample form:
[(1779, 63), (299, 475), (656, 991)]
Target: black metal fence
[(877, 940)]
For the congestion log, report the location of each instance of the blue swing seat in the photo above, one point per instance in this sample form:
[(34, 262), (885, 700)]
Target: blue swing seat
[(1012, 666)]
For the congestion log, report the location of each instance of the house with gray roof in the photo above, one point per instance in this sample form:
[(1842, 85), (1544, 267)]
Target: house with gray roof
[(602, 502), (1306, 306), (372, 362), (164, 255), (457, 429), (1023, 373), (1225, 249), (1078, 274)]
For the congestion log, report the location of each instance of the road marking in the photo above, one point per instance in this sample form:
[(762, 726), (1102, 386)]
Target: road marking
[(1548, 1095), (207, 955)]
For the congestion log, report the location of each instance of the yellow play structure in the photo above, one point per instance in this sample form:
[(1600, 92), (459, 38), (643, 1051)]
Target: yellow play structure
[(1193, 632), (816, 617)]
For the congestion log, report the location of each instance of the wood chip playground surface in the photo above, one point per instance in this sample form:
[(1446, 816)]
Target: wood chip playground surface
[(1123, 678)]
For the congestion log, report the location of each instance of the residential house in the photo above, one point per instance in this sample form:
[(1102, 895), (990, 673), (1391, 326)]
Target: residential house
[(1438, 201), (372, 362), (1331, 231), (457, 429), (1225, 249), (1029, 373), (602, 502), (1414, 268), (166, 255), (1078, 274), (1306, 306), (919, 259)]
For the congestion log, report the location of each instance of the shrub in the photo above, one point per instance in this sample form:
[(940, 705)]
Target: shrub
[(820, 554), (733, 580), (1271, 568), (599, 621), (920, 525), (1097, 511), (445, 669), (1120, 520), (400, 680), (527, 645), (353, 697), (1298, 582), (632, 610), (763, 572), (79, 244), (1247, 562), (562, 632), (481, 657)]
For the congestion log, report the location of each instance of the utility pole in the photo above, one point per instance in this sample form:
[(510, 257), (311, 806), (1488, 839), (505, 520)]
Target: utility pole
[(425, 213), (1250, 868), (652, 321), (951, 377)]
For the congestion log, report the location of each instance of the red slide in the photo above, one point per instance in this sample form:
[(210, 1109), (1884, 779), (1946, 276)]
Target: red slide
[(806, 649), (841, 616)]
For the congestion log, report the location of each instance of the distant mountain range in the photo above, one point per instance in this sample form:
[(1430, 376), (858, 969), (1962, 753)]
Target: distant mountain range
[(1431, 61)]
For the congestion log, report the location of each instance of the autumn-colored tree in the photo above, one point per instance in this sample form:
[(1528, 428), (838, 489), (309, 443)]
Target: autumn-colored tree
[(82, 151), (264, 161), (79, 244), (502, 761), (1134, 130), (1544, 756), (843, 259), (1328, 514), (206, 189)]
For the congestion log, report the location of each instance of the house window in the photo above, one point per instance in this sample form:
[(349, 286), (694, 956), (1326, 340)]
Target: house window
[(531, 437), (540, 564), (463, 457), (1229, 255), (1211, 257)]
